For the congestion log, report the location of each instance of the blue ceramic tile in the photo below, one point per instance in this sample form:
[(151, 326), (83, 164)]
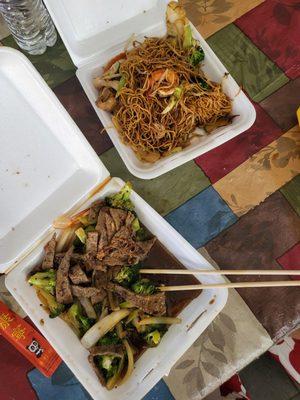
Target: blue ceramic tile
[(202, 217), (62, 385), (159, 392)]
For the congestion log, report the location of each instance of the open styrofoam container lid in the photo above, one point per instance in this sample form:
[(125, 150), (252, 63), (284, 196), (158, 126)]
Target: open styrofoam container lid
[(46, 164), (89, 27)]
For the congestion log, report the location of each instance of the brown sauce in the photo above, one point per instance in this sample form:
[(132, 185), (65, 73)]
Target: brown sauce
[(159, 257)]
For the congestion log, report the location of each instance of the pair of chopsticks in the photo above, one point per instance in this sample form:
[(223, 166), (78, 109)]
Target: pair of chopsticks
[(228, 285)]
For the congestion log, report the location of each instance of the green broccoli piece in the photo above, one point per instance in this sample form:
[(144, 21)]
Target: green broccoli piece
[(50, 303), (45, 280), (89, 228), (122, 198), (143, 286), (204, 84), (128, 275), (153, 338), (109, 338), (142, 235), (109, 365), (196, 57), (136, 225), (77, 320)]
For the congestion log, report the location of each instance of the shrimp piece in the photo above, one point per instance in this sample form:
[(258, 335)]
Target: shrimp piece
[(163, 81)]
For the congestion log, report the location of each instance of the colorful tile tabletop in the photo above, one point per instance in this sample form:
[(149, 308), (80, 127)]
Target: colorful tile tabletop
[(239, 204)]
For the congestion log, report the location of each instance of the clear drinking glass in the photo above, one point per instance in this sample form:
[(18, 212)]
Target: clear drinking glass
[(30, 24)]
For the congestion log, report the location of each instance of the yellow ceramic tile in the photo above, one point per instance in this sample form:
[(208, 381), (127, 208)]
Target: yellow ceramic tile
[(262, 174), (209, 16)]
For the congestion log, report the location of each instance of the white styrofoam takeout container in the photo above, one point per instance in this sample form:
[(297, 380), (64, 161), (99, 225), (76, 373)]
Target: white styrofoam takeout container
[(47, 168), (94, 31)]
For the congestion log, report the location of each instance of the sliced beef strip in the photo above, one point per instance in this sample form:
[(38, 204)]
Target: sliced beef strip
[(92, 263), (48, 261), (129, 219), (101, 228), (77, 275), (75, 257), (63, 287), (154, 304), (92, 243), (100, 279), (99, 297), (125, 251), (94, 211), (108, 350), (101, 221), (118, 216), (80, 291), (89, 258), (110, 227)]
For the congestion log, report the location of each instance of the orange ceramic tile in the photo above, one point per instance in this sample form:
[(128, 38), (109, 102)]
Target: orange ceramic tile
[(209, 16), (262, 174)]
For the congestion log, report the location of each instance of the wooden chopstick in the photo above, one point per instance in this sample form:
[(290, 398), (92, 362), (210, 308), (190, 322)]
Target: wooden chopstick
[(218, 272), (233, 285)]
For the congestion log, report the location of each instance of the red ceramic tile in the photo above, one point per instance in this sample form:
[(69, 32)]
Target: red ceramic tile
[(274, 26), (13, 369), (223, 159), (291, 260), (73, 98), (282, 104)]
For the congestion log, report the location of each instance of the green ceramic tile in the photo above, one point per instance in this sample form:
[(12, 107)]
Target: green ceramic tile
[(291, 191), (55, 65), (250, 67), (166, 192)]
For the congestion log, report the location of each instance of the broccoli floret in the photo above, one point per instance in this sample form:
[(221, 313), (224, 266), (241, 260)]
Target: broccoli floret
[(153, 338), (142, 235), (143, 286), (49, 301), (128, 275), (136, 225), (77, 320), (109, 338), (197, 56), (89, 228), (204, 84), (109, 365), (45, 280), (122, 198)]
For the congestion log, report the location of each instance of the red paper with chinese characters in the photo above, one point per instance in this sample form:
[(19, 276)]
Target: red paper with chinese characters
[(28, 341)]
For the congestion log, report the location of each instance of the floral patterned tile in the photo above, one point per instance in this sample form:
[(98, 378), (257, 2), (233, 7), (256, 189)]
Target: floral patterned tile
[(73, 98), (262, 174), (291, 192), (209, 16), (223, 159), (251, 68), (233, 340), (283, 18), (166, 192), (202, 217)]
